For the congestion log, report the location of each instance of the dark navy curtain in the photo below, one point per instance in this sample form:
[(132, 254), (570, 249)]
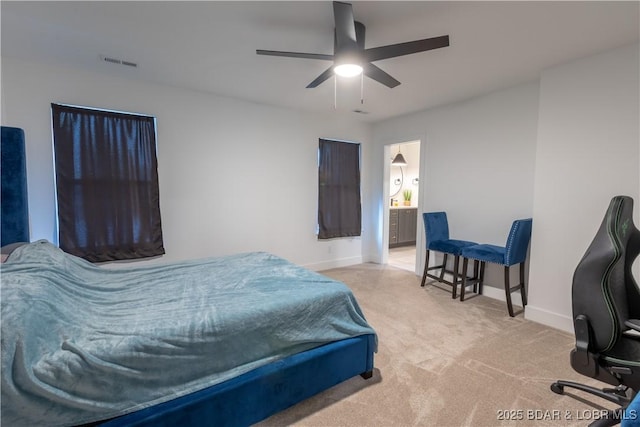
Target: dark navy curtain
[(339, 206), (107, 184)]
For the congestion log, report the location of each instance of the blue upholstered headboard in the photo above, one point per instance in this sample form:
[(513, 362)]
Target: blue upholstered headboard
[(14, 208)]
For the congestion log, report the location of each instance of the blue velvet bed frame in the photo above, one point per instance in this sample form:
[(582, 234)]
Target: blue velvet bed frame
[(240, 401), (262, 392)]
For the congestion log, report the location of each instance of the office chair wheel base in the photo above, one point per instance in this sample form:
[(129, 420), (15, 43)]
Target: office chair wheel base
[(557, 388)]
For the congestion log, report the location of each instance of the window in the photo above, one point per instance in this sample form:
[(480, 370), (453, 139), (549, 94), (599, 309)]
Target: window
[(106, 184), (339, 208)]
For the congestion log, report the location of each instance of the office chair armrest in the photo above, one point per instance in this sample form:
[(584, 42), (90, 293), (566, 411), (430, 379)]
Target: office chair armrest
[(583, 334), (633, 324), (583, 359)]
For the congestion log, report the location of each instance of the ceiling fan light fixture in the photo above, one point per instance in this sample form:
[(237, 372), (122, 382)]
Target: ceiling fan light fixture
[(348, 70), (351, 58)]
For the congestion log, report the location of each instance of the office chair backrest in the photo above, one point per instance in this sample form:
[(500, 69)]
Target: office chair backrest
[(604, 289), (518, 241), (436, 226)]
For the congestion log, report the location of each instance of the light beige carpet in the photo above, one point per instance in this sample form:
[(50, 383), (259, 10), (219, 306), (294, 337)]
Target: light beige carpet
[(442, 362)]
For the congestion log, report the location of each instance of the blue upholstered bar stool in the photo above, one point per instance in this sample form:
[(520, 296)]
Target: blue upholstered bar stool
[(515, 252), (436, 228)]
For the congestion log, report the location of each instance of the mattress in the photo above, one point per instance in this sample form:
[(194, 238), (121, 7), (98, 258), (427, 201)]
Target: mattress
[(82, 343)]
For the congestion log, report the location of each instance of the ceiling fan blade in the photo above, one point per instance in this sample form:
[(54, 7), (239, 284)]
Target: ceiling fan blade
[(345, 37), (295, 54), (361, 32), (400, 49), (321, 78), (380, 76)]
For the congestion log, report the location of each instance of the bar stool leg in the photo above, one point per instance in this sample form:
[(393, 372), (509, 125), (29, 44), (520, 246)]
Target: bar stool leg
[(507, 290), (475, 275), (426, 268), (444, 266), (454, 286), (481, 280), (523, 290), (477, 278), (465, 266)]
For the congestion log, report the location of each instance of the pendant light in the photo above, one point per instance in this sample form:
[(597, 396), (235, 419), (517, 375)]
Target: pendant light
[(399, 160)]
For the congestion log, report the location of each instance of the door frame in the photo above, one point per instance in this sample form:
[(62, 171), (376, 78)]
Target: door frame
[(386, 194)]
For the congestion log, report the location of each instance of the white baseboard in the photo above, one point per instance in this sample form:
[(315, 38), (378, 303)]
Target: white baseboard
[(549, 318), (498, 293), (535, 314), (334, 263)]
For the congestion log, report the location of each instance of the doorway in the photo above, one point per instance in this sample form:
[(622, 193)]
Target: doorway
[(402, 199)]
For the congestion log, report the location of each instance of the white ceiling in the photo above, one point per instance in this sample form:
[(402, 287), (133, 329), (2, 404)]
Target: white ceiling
[(210, 46)]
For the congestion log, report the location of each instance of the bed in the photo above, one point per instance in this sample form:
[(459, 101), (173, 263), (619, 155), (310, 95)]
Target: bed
[(224, 341)]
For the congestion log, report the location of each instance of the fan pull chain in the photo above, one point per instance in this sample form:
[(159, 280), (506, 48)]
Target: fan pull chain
[(362, 88), (335, 92)]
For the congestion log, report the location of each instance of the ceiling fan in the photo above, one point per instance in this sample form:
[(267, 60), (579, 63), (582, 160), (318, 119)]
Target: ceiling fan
[(350, 58)]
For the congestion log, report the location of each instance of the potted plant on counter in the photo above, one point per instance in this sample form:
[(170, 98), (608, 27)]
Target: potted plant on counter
[(407, 197)]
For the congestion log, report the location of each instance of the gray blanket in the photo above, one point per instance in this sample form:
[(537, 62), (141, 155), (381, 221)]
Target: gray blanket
[(82, 343)]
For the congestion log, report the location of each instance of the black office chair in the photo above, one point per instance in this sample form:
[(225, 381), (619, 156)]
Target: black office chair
[(606, 312)]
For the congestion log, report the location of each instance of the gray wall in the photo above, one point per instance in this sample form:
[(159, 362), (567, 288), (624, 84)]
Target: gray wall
[(478, 160), (557, 149), (587, 152), (234, 176)]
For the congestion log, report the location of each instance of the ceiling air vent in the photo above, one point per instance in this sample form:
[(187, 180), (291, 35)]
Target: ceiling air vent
[(118, 61)]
